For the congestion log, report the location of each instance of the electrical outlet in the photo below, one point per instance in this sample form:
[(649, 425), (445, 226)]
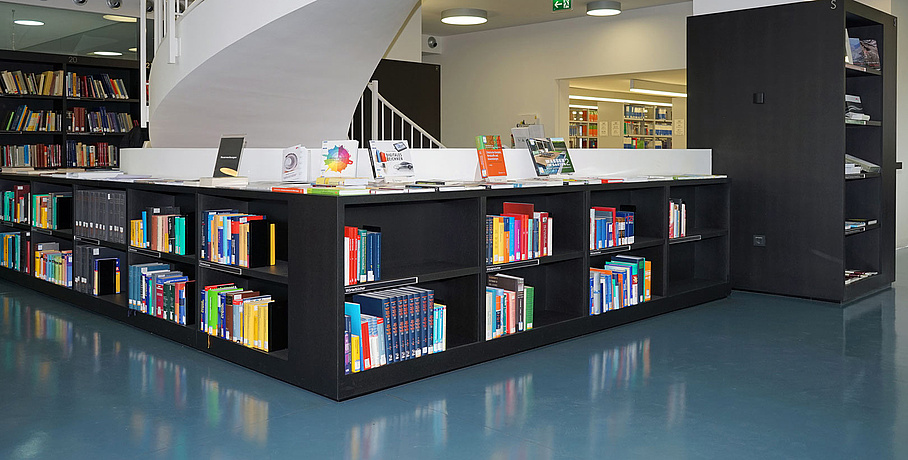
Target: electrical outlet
[(760, 240)]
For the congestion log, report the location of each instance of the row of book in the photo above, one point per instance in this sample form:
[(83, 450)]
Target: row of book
[(853, 276), (363, 249), (663, 113), (610, 227), (52, 210), (161, 229), (388, 326), (157, 290), (231, 237), (32, 155), (677, 218), (236, 314), (583, 130), (81, 120), (646, 143), (97, 270), (11, 256), (53, 264), (634, 111), (25, 119), (509, 306), (95, 86), (15, 204), (518, 233), (101, 214), (584, 143), (48, 83), (96, 155), (625, 281), (585, 115)]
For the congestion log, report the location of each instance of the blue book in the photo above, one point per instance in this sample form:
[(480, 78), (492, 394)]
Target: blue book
[(353, 311), (379, 305), (145, 229), (347, 367)]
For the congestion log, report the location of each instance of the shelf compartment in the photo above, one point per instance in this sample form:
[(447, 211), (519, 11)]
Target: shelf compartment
[(139, 201), (699, 234), (654, 254), (560, 289), (564, 208), (707, 206), (855, 231), (698, 265)]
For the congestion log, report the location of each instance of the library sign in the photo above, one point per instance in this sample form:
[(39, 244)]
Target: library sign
[(561, 5)]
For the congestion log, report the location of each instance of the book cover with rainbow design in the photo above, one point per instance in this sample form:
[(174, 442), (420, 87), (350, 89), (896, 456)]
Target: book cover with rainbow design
[(338, 158)]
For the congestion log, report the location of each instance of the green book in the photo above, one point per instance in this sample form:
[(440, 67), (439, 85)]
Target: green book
[(529, 301)]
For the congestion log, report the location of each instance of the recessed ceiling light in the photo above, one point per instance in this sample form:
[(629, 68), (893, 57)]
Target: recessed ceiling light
[(603, 8), (28, 22), (133, 50), (107, 53), (114, 17), (464, 16), (612, 99)]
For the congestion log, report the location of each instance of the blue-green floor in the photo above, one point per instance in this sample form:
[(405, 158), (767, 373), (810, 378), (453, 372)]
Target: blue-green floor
[(751, 376)]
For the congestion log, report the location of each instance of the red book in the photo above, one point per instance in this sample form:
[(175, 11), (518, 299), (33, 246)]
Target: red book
[(364, 341)]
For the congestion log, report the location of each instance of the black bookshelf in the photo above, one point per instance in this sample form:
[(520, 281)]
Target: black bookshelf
[(786, 152), (29, 62), (432, 240)]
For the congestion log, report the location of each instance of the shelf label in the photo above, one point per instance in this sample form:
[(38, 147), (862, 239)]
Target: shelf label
[(561, 5), (512, 265), (615, 249), (685, 239), (222, 268), (378, 285), (41, 230), (145, 252), (89, 240)]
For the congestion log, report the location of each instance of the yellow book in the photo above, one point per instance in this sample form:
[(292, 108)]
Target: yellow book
[(647, 280), (273, 241), (267, 327), (496, 241), (244, 250), (263, 320), (499, 222), (354, 352), (256, 319)]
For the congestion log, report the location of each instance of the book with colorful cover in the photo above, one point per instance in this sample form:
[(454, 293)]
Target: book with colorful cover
[(546, 161), (491, 157), (560, 146), (338, 158), (391, 159)]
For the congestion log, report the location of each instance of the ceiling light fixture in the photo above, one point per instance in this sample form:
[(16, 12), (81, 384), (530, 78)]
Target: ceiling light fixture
[(657, 89), (117, 18), (603, 8), (107, 53), (28, 22), (623, 101), (464, 16), (133, 50), (579, 106)]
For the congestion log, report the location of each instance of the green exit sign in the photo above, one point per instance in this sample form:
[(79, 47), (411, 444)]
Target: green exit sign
[(561, 5)]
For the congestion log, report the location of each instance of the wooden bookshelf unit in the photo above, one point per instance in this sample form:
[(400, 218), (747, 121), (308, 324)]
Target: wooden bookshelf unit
[(786, 138), (430, 240)]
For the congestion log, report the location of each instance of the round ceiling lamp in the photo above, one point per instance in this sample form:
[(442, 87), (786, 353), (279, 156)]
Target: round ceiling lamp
[(464, 16), (603, 8)]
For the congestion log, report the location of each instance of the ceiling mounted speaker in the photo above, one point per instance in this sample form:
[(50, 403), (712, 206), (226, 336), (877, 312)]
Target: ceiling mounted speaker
[(79, 2), (114, 4)]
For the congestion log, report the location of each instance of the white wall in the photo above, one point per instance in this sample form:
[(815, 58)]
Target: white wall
[(490, 77), (900, 10), (407, 45)]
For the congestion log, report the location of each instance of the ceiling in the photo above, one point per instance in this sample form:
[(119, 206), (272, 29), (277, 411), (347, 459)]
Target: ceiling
[(509, 13), (621, 82), (65, 31)]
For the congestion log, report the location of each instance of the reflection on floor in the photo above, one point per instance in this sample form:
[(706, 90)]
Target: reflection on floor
[(751, 376)]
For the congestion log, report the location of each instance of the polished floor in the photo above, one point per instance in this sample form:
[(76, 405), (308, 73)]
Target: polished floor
[(750, 376)]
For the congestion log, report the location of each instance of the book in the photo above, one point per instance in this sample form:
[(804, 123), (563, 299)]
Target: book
[(491, 157), (338, 158), (546, 161), (560, 147), (227, 163), (854, 110), (864, 52), (294, 166), (391, 159)]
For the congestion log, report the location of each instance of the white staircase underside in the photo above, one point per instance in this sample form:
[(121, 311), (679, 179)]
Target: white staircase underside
[(295, 79)]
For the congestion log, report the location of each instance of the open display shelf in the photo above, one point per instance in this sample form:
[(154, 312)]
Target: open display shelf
[(433, 241), (790, 196)]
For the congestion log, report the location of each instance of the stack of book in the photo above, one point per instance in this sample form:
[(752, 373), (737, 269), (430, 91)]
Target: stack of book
[(852, 276), (97, 155), (518, 233), (52, 210), (11, 250), (25, 119), (97, 270), (385, 327), (363, 249), (625, 281), (53, 264), (100, 214), (15, 204), (858, 224), (157, 290), (509, 306), (80, 120), (231, 237), (48, 83), (236, 314), (610, 227), (32, 155), (677, 218), (161, 229), (95, 86)]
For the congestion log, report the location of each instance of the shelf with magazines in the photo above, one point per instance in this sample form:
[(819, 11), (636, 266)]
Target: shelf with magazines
[(768, 232), (68, 104), (427, 253)]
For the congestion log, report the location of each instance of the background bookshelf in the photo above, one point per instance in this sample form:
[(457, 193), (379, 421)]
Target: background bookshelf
[(584, 128), (434, 241), (65, 134), (647, 126), (790, 192)]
